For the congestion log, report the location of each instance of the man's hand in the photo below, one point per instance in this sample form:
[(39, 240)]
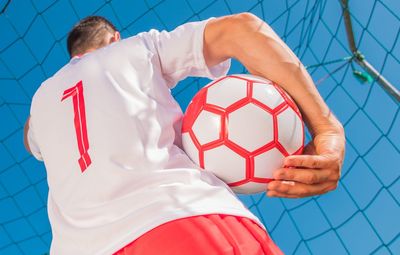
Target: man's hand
[(315, 172)]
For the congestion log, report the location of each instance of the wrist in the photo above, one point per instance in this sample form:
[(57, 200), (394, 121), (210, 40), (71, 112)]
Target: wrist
[(329, 139), (327, 126)]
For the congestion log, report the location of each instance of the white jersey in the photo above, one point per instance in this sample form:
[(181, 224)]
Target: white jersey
[(108, 131)]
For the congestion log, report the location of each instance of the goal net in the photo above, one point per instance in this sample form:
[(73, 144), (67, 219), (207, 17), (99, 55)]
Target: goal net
[(360, 217)]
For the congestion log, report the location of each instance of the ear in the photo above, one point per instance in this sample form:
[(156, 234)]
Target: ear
[(116, 37)]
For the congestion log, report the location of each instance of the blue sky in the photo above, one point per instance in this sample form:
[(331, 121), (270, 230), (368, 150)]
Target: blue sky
[(360, 217)]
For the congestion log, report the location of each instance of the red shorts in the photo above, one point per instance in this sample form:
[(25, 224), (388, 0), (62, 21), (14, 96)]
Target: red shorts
[(204, 235)]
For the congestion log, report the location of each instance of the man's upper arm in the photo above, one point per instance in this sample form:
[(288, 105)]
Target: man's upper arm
[(222, 37), (181, 53), (216, 40)]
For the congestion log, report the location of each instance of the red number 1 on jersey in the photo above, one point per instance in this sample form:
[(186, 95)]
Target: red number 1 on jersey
[(76, 92)]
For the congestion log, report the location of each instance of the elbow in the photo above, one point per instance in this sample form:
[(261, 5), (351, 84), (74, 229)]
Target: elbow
[(246, 23), (226, 36), (246, 29)]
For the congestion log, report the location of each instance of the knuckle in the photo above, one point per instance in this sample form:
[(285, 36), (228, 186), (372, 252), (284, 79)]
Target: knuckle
[(311, 179), (290, 175), (336, 162), (287, 163), (278, 175), (336, 176), (332, 187), (293, 161), (314, 164)]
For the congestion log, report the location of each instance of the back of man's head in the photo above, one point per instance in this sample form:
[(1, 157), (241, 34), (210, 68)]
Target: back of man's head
[(90, 33)]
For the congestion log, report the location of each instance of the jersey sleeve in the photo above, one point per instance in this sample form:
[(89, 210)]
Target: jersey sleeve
[(180, 53), (32, 142)]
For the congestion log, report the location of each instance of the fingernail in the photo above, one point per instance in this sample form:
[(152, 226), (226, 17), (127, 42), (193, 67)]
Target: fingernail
[(291, 183), (270, 186), (270, 194)]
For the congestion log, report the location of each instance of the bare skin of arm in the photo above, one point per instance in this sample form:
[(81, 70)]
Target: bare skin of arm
[(251, 41), (26, 128)]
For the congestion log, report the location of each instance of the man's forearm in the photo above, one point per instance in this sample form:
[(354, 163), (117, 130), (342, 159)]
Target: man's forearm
[(272, 59)]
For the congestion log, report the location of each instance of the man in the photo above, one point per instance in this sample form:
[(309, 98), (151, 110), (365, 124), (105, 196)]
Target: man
[(107, 129)]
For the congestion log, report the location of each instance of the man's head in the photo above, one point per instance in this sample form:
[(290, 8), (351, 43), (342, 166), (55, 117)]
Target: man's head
[(91, 33)]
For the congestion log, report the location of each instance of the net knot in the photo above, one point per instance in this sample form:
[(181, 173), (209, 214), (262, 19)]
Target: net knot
[(359, 56)]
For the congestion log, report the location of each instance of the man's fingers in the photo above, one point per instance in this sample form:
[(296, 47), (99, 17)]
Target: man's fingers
[(307, 161), (295, 189), (307, 176), (278, 194)]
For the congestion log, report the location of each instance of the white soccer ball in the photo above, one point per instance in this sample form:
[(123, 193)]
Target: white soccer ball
[(240, 127)]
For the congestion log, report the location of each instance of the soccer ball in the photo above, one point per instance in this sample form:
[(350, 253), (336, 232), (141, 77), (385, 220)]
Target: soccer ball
[(240, 127)]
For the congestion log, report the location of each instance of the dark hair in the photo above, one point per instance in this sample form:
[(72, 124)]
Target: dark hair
[(89, 32)]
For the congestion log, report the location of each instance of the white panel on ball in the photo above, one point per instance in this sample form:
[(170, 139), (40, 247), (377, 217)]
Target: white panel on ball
[(226, 92), (225, 164), (266, 163), (290, 130), (250, 188), (250, 127), (207, 127), (190, 149), (267, 94)]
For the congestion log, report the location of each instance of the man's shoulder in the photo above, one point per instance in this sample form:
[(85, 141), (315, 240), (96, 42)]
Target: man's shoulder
[(138, 40), (40, 91), (52, 80)]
